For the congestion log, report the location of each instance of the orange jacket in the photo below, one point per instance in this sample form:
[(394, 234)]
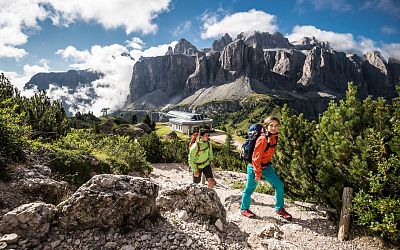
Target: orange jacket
[(260, 156)]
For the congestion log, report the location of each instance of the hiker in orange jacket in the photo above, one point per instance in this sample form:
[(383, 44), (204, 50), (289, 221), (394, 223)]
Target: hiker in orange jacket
[(200, 157), (261, 167)]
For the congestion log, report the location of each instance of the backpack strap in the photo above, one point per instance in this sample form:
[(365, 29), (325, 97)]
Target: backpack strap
[(198, 147), (269, 144)]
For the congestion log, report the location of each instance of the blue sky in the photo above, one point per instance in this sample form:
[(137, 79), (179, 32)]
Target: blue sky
[(57, 35)]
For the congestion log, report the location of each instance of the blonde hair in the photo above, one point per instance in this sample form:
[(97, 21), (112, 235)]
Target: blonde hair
[(269, 119)]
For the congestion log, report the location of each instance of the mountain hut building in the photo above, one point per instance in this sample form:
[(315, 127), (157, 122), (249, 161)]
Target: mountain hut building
[(188, 123)]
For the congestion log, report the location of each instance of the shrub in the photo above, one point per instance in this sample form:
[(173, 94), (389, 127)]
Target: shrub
[(152, 146), (47, 119), (175, 151), (13, 135)]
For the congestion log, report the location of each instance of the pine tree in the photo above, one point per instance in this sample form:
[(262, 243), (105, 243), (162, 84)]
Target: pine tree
[(146, 120), (47, 118), (133, 119), (339, 131), (295, 156)]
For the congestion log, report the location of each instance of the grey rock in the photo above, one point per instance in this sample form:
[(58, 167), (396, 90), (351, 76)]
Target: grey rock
[(144, 127), (307, 43), (218, 45), (55, 244), (266, 40), (184, 47), (29, 220), (377, 75), (157, 80), (192, 198), (127, 247), (109, 201), (219, 225), (10, 239)]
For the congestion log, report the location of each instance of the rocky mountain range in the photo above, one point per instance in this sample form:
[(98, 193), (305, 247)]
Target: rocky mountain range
[(307, 73), (71, 79)]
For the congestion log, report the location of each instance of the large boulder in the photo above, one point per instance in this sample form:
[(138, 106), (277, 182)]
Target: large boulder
[(144, 127), (194, 199), (31, 220), (109, 201), (129, 130), (28, 184)]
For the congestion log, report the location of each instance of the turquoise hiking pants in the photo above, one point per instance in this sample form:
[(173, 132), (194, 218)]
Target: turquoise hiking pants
[(272, 177)]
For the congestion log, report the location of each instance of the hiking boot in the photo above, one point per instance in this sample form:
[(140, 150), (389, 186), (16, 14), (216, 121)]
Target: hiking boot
[(247, 213), (282, 212)]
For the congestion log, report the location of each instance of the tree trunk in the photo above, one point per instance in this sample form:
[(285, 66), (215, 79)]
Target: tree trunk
[(344, 224)]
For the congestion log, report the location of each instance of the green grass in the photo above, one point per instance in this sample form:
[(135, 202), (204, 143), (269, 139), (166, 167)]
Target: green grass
[(163, 128)]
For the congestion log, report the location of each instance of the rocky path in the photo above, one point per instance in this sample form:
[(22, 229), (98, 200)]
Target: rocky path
[(177, 229), (307, 230)]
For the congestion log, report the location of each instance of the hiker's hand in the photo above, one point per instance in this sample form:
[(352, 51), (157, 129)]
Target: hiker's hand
[(196, 174), (257, 178)]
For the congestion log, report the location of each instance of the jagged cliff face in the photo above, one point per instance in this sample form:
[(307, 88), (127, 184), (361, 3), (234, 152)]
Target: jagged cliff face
[(162, 73), (298, 70), (331, 71), (377, 75)]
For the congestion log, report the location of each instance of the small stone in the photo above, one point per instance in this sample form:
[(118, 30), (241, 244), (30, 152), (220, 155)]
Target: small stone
[(9, 238), (111, 245), (164, 239), (183, 215), (3, 245), (145, 237), (189, 242), (219, 225), (127, 247), (55, 243)]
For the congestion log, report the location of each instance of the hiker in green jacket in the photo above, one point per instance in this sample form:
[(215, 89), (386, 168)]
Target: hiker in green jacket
[(200, 157)]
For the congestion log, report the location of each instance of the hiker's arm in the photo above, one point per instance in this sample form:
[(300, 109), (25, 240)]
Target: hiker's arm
[(261, 143), (191, 157)]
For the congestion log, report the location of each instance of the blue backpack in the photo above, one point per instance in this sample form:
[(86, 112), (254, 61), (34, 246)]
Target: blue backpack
[(248, 147)]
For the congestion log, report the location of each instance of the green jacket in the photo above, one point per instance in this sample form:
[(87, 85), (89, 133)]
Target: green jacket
[(200, 157)]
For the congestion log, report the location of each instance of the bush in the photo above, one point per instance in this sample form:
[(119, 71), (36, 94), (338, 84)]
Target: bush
[(13, 135), (354, 144), (71, 156), (175, 151), (68, 165), (47, 119), (152, 146)]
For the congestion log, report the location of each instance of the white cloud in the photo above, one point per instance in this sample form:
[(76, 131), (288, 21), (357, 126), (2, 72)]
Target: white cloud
[(389, 6), (253, 20), (391, 50), (182, 28), (134, 16), (72, 52), (159, 50), (339, 41), (112, 90), (388, 30), (18, 18), (345, 41), (339, 5), (29, 70), (135, 43), (15, 17)]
